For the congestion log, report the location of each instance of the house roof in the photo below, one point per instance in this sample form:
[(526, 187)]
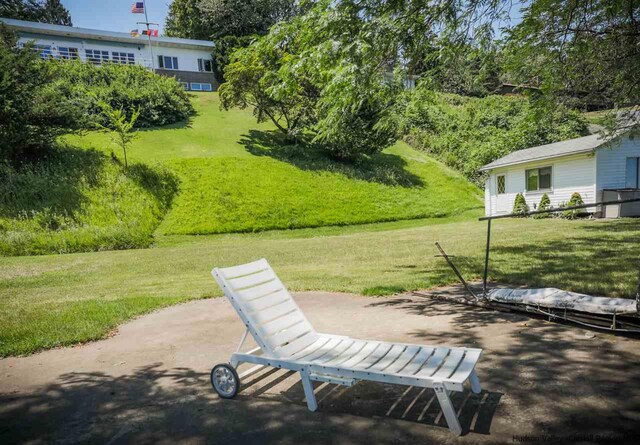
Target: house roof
[(97, 34), (557, 149)]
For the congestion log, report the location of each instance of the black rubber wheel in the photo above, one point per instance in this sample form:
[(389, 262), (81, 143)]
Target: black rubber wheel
[(225, 380)]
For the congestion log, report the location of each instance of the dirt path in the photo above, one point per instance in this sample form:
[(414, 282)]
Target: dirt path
[(149, 383)]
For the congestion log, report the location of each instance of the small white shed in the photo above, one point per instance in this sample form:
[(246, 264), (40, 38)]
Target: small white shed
[(584, 165)]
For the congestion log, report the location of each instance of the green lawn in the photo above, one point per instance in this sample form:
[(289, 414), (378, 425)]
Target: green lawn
[(238, 176), (47, 301)]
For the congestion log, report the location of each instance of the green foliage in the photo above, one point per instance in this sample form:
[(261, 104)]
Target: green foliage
[(77, 201), (221, 55), (297, 77), (575, 200), (184, 19), (44, 11), (119, 127), (545, 204), (467, 133), (160, 100), (581, 53), (520, 206), (33, 112), (244, 17)]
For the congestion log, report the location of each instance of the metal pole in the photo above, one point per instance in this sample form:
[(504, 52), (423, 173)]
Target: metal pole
[(457, 272), (638, 294), (146, 19), (486, 260)]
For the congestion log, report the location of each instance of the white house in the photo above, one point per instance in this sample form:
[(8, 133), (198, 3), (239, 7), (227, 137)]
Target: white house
[(588, 165), (187, 60)]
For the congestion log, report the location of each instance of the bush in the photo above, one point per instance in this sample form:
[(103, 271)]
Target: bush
[(520, 206), (545, 204), (33, 112), (161, 100), (575, 200), (467, 133)]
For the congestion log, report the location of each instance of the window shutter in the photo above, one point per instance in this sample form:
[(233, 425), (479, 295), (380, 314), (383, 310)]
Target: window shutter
[(175, 63), (160, 62)]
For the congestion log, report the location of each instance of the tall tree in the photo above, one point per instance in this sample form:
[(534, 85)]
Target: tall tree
[(184, 20), (230, 23), (580, 52), (45, 11)]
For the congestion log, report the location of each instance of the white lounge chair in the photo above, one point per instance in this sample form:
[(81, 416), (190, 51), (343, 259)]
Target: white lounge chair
[(287, 340)]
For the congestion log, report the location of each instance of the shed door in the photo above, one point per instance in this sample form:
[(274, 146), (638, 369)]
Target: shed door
[(502, 198)]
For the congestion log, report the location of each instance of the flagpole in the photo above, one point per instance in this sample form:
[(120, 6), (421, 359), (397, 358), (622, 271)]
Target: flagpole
[(146, 19)]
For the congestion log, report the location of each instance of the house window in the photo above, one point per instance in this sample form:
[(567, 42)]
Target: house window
[(96, 56), (168, 63), (185, 85), (205, 65), (123, 58), (67, 52), (196, 86), (43, 50), (538, 179), (633, 173), (502, 184)]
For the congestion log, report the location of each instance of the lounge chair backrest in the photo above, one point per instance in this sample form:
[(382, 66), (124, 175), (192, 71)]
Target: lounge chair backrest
[(266, 308)]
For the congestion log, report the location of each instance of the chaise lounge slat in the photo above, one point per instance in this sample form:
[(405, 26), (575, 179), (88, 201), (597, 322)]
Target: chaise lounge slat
[(287, 340)]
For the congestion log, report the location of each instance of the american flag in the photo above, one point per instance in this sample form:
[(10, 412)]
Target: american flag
[(137, 8)]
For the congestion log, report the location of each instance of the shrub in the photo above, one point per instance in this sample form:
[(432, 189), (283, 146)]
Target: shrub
[(545, 204), (575, 200), (33, 112), (160, 99), (520, 206), (467, 133)]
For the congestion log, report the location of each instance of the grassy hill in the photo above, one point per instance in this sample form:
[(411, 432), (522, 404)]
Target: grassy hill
[(238, 176)]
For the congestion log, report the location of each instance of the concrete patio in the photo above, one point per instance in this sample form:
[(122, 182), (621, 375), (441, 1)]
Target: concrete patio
[(542, 381)]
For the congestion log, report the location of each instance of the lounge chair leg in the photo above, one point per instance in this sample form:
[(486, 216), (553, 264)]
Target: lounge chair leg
[(475, 383), (308, 390), (447, 409)]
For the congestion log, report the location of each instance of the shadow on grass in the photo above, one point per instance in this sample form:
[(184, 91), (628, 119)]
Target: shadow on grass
[(52, 183), (383, 168), (160, 182)]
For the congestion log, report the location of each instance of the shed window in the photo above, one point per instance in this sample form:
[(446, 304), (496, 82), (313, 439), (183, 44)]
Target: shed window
[(502, 184), (538, 179), (633, 173)]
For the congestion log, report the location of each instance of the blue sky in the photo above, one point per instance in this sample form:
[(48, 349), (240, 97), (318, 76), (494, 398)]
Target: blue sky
[(114, 15)]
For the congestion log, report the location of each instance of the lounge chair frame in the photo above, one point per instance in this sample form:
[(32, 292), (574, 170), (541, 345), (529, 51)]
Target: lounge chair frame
[(452, 367)]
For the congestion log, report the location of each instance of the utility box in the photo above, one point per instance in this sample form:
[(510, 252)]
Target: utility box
[(621, 210)]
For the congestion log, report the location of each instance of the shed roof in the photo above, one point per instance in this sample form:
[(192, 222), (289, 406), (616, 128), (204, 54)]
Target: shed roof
[(563, 148), (98, 34)]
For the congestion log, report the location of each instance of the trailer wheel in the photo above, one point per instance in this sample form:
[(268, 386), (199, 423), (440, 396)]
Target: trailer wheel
[(225, 380)]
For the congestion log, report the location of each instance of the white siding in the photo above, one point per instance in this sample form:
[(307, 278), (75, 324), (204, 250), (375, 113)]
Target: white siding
[(570, 174), (487, 197), (187, 57), (612, 163)]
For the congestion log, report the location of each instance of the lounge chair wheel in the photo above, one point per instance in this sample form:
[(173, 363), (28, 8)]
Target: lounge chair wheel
[(225, 380)]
